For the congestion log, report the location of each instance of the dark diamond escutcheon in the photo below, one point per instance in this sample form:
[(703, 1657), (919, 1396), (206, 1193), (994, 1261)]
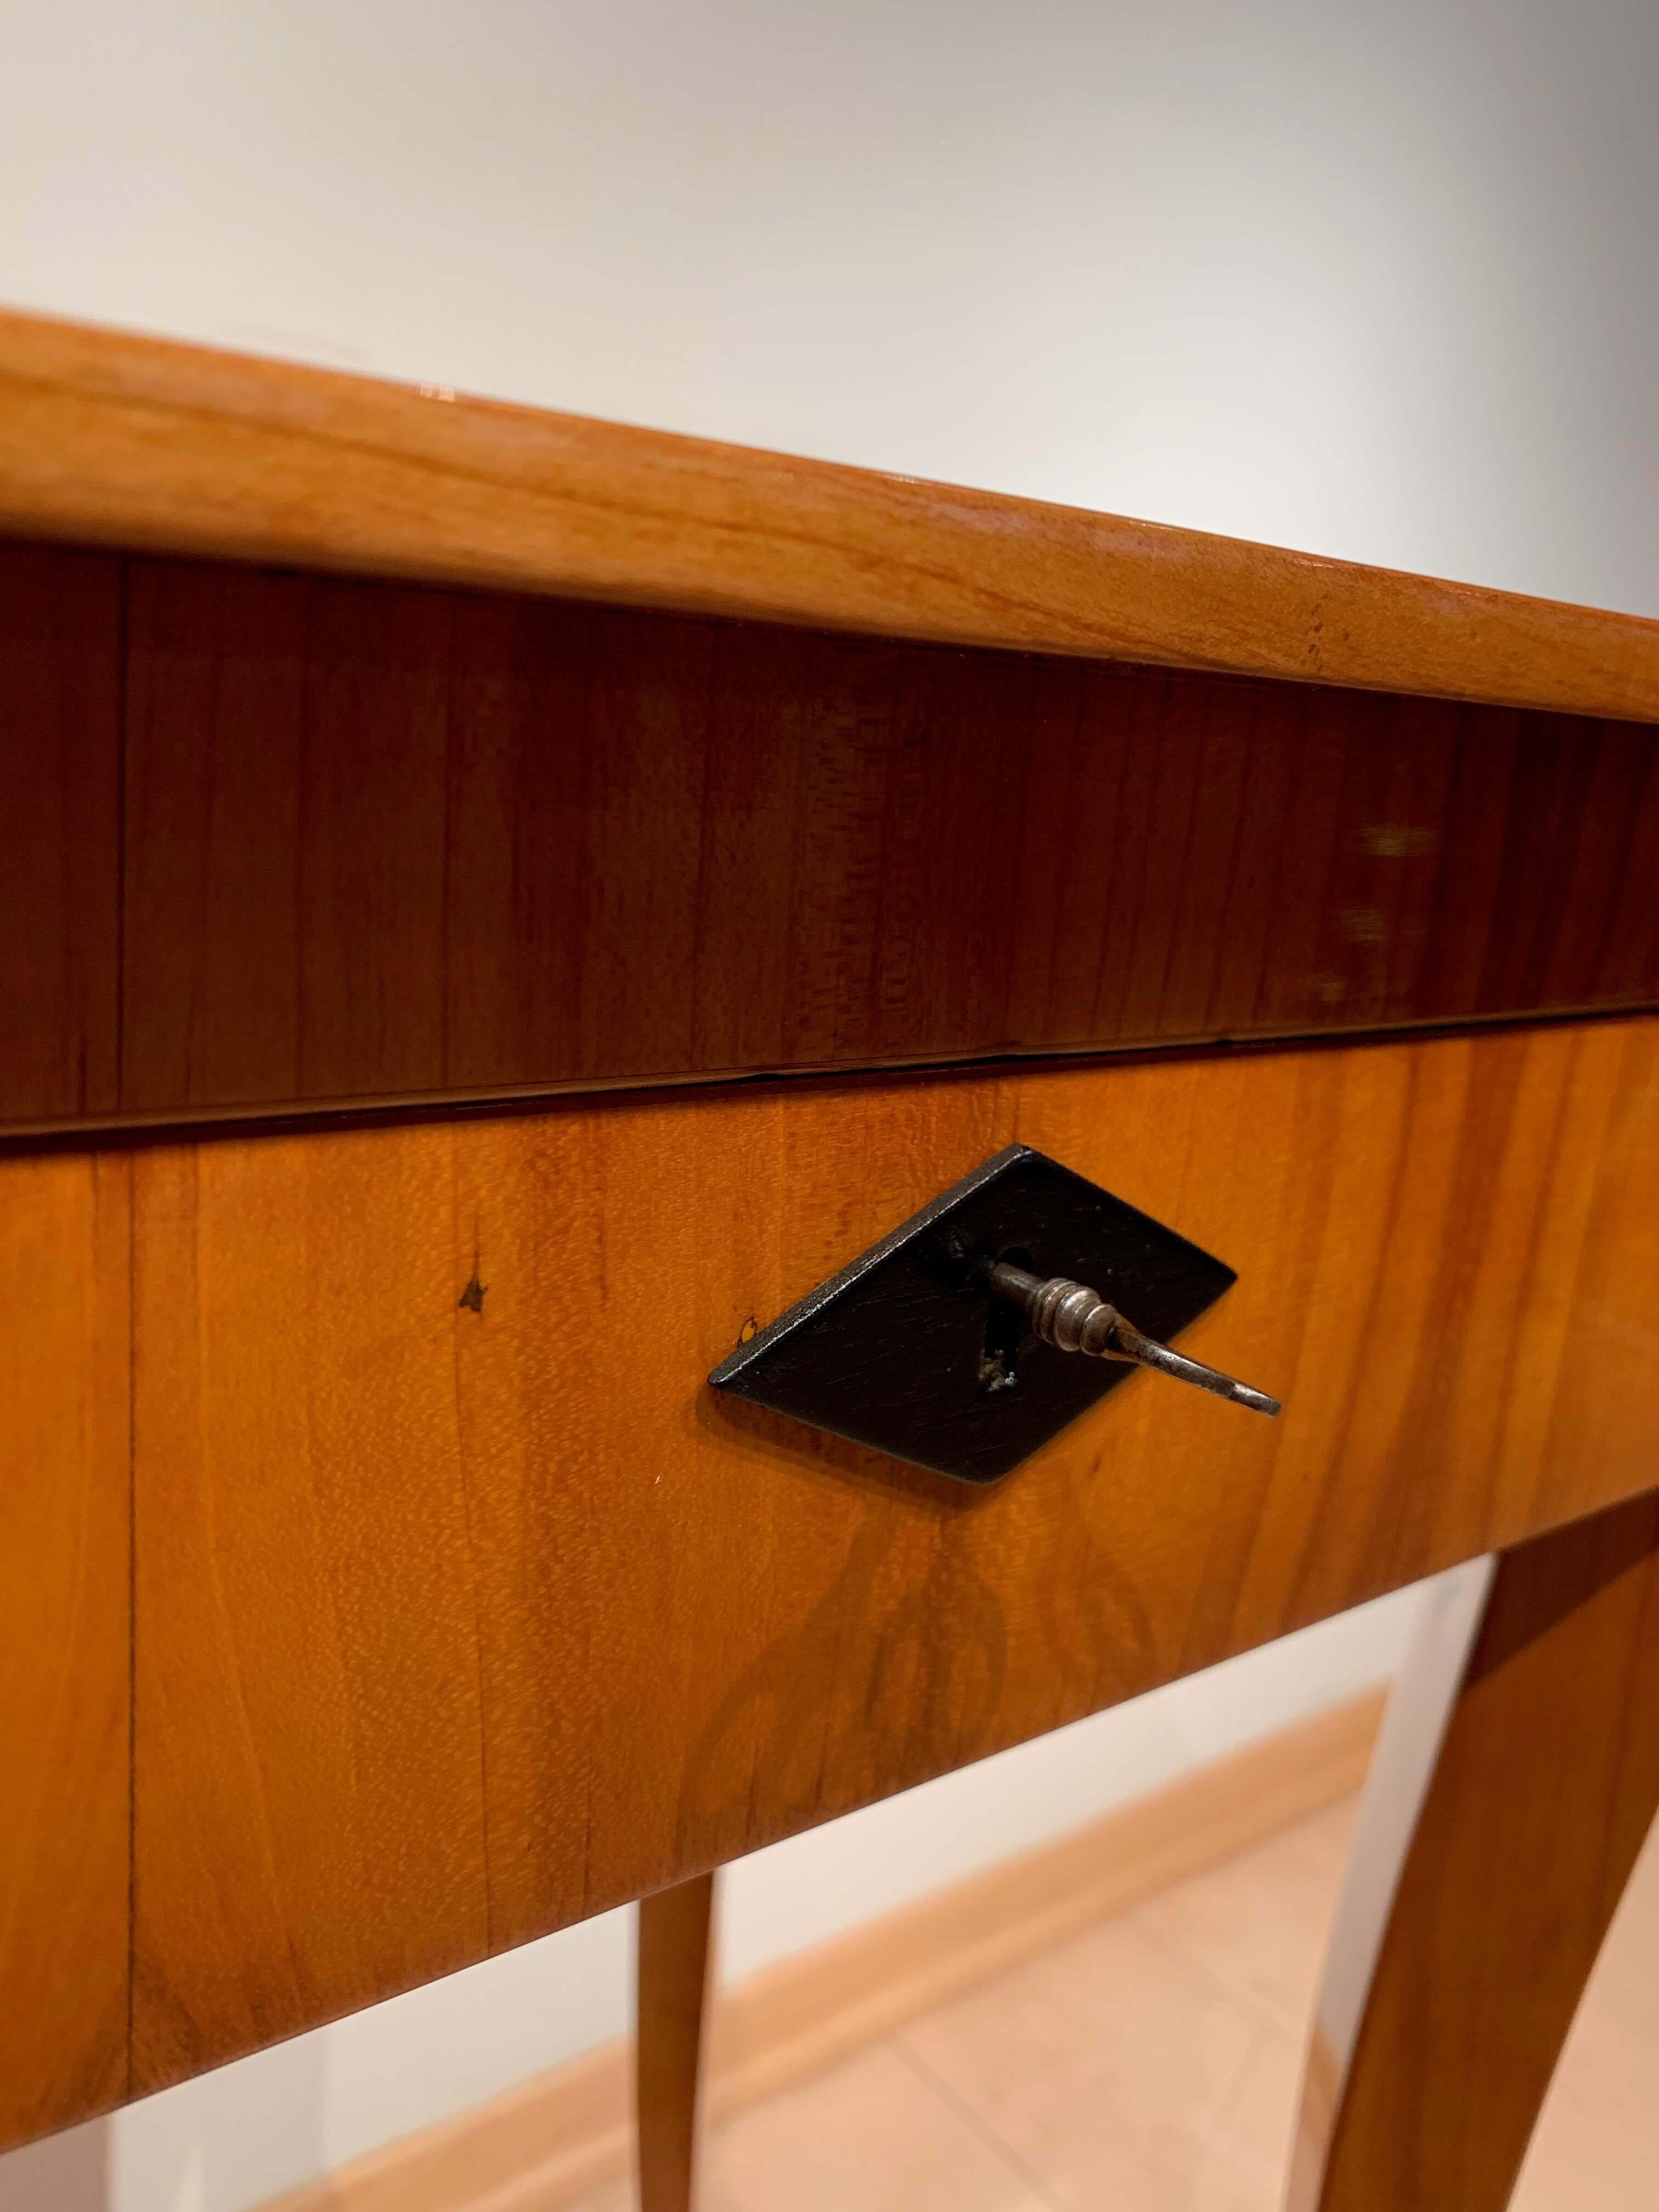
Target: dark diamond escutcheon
[(905, 1350)]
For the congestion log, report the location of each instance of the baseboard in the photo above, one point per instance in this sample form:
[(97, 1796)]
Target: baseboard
[(567, 2131)]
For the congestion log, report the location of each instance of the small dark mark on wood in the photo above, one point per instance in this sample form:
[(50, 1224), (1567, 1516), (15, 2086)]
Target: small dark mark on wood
[(472, 1297)]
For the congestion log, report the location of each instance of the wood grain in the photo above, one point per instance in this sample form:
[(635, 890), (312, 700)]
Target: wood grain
[(64, 1642), (312, 1765), (115, 439), (675, 1957), (1547, 1782), (422, 1431), (60, 865), (390, 843)]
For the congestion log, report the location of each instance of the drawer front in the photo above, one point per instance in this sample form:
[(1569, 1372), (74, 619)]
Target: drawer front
[(463, 1608)]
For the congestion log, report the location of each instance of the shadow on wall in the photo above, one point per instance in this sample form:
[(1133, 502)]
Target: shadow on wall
[(70, 2172)]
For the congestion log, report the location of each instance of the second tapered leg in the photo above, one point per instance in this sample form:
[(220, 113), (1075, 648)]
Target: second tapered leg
[(674, 1949), (1427, 2073)]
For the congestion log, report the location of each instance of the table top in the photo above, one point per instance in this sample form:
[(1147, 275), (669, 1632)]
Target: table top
[(112, 439)]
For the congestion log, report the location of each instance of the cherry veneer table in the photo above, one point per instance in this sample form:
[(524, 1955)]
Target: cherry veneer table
[(494, 907)]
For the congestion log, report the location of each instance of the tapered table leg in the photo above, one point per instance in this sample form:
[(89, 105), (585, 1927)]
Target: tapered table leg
[(1455, 1972), (674, 1951)]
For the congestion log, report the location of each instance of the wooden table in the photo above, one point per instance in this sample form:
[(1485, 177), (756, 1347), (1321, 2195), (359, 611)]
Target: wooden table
[(492, 907)]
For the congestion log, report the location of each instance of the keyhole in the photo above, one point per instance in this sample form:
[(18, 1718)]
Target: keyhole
[(1004, 1325)]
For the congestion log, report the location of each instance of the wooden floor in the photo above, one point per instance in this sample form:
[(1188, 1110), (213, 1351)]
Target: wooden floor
[(1151, 2065)]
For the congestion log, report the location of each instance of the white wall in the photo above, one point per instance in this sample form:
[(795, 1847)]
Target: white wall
[(1373, 280), (1378, 282)]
